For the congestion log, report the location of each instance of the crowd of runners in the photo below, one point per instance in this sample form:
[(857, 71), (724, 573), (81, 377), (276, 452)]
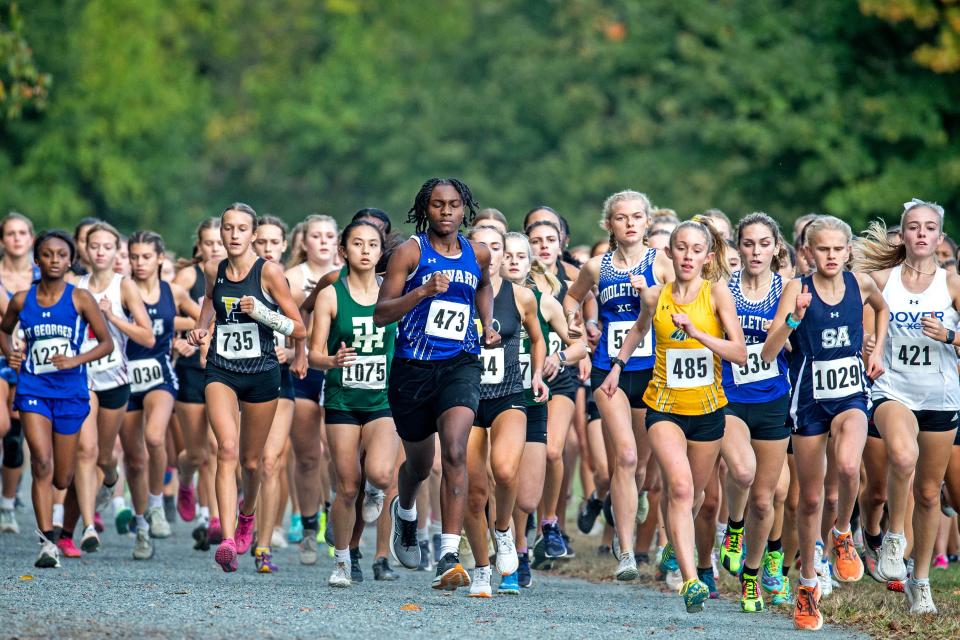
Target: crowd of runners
[(728, 399)]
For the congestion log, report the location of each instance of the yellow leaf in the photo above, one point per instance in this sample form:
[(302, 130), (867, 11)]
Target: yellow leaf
[(411, 607), (26, 577)]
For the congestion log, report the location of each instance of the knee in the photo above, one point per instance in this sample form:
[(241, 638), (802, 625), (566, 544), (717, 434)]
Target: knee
[(504, 473), (412, 471), (554, 454), (250, 463), (62, 481), (228, 452), (742, 475), (155, 441), (348, 489), (87, 453), (269, 465), (477, 498), (848, 469), (903, 462), (627, 459), (927, 497), (380, 478), (877, 493), (809, 504), (197, 457), (681, 491), (307, 463), (41, 466), (761, 504), (454, 455)]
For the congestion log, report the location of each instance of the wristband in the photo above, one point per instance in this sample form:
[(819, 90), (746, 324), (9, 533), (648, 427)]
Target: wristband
[(272, 319), (951, 335), (792, 322), (562, 357), (613, 361), (593, 322)]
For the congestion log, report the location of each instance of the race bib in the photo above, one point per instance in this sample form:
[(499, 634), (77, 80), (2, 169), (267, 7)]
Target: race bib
[(43, 351), (526, 371), (755, 369), (689, 368), (492, 361), (617, 331), (915, 355), (110, 361), (447, 319), (144, 375), (366, 372), (238, 341), (554, 343), (837, 378)]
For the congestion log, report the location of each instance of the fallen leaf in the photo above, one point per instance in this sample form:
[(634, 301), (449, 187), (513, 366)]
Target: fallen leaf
[(410, 606), (26, 577), (671, 627), (699, 628), (305, 609)]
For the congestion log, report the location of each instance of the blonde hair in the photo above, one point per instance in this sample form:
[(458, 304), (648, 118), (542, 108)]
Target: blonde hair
[(717, 269), (627, 195), (535, 265), (874, 251), (827, 223), (299, 254), (105, 226)]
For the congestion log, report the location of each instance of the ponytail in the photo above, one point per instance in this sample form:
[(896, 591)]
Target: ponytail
[(873, 252)]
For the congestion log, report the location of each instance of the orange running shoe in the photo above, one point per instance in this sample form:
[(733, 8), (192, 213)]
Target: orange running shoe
[(806, 613), (847, 565)]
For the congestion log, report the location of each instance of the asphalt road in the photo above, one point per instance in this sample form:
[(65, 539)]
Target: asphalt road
[(182, 593)]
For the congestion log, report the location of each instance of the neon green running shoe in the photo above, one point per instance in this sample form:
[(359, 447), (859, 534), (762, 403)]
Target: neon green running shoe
[(694, 595), (750, 599), (731, 551), (771, 580)]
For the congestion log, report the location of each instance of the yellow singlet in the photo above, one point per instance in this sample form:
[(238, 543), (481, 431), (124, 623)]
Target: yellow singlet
[(686, 376)]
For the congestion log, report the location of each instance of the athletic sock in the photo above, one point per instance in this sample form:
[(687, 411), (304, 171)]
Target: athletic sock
[(774, 545), (423, 533), (837, 533), (735, 525), (436, 527), (142, 522), (410, 515), (449, 543), (205, 514), (925, 581), (548, 521), (8, 503), (369, 488), (808, 582), (874, 540), (311, 523), (750, 573), (119, 504), (66, 534), (155, 501), (51, 535), (786, 569), (341, 555), (57, 515)]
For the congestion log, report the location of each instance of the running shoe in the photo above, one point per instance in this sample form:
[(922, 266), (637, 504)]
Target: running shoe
[(919, 597), (243, 537), (122, 521), (104, 497), (324, 523), (571, 554), (604, 550), (8, 521), (783, 596), (871, 558), (608, 511), (263, 560), (507, 559), (215, 531), (627, 569), (383, 571), (98, 522), (403, 541), (945, 507), (450, 573), (553, 546), (328, 531), (897, 586), (356, 572), (771, 579), (226, 555), (187, 502), (67, 548), (170, 508), (524, 575), (667, 563), (425, 564), (200, 540), (159, 526), (847, 566), (643, 507), (49, 557), (891, 565), (308, 548), (941, 562), (90, 542), (642, 558), (540, 559), (706, 577), (589, 512), (340, 577), (372, 504), (806, 612), (509, 585), (480, 585), (278, 539), (436, 548), (143, 546), (822, 566), (750, 599), (295, 530), (694, 593), (731, 551)]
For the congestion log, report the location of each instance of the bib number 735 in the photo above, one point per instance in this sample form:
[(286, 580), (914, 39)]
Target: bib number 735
[(238, 341)]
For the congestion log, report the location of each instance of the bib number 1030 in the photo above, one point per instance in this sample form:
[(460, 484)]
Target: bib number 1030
[(447, 319)]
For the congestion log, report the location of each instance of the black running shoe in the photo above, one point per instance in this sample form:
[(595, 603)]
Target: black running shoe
[(450, 573), (356, 573), (608, 511), (382, 570), (201, 542), (589, 513)]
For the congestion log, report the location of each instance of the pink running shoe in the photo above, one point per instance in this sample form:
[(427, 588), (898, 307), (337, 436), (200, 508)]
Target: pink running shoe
[(97, 522), (244, 534), (214, 531), (226, 556), (187, 502), (941, 562), (68, 549)]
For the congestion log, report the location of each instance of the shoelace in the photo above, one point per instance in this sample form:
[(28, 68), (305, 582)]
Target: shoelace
[(897, 544), (408, 533), (845, 548), (733, 540), (687, 586), (750, 588), (772, 565), (806, 603)]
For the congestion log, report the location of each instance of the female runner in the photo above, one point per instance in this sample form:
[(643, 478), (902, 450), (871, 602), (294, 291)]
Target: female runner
[(685, 419)]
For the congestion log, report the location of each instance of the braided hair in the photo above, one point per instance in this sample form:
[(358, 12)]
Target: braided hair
[(418, 212)]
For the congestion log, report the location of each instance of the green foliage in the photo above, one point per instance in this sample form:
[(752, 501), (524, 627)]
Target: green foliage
[(22, 85), (163, 111)]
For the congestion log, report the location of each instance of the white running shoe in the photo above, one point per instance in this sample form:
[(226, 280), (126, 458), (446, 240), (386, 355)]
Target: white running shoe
[(308, 548), (480, 587), (340, 576), (890, 565), (90, 542), (8, 521), (279, 538), (713, 564), (159, 527), (627, 569), (372, 504), (104, 498), (822, 567), (507, 560), (143, 546), (919, 597), (643, 507), (674, 579), (49, 557)]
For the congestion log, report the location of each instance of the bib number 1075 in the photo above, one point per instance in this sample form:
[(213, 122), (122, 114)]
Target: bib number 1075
[(447, 319)]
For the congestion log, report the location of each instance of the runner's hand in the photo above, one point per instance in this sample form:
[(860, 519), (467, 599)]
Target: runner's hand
[(802, 303), (345, 355), (196, 337), (436, 285), (491, 339)]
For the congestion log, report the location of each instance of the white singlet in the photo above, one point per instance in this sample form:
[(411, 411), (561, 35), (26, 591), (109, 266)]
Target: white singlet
[(921, 373), (110, 371)]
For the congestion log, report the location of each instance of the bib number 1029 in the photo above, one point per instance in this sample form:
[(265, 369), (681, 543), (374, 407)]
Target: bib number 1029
[(839, 378)]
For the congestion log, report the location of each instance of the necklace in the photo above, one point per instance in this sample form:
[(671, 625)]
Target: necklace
[(913, 268), (758, 287)]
